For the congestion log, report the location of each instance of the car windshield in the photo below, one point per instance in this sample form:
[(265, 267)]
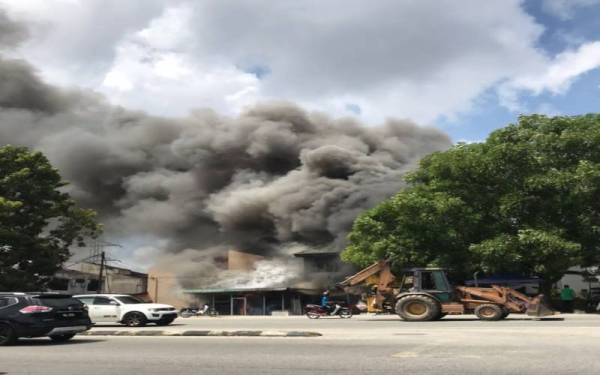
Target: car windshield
[(129, 300)]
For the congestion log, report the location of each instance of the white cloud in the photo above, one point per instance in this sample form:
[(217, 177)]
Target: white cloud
[(419, 59), (154, 71), (565, 9), (404, 59), (555, 77), (561, 72), (73, 41)]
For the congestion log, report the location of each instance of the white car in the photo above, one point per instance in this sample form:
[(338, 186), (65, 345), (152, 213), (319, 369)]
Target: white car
[(125, 309)]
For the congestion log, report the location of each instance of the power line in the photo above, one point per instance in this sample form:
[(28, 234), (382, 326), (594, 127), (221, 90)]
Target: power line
[(97, 248)]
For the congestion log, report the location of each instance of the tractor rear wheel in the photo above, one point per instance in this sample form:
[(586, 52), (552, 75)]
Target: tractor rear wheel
[(418, 308), (489, 312)]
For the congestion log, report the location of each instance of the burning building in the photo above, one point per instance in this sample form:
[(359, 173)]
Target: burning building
[(259, 286)]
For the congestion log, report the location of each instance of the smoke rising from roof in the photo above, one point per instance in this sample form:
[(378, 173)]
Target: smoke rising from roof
[(272, 176)]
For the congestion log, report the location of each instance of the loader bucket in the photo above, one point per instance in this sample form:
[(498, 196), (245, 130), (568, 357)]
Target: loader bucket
[(538, 309)]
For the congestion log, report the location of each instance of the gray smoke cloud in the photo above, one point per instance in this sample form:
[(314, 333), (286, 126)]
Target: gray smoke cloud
[(275, 175), (11, 33)]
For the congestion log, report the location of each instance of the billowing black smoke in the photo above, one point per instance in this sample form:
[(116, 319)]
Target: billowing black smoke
[(275, 175)]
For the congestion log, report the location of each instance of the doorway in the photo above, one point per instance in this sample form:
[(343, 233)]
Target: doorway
[(238, 305)]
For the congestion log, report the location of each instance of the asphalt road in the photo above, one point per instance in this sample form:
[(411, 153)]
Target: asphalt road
[(362, 326), (374, 345), (360, 322)]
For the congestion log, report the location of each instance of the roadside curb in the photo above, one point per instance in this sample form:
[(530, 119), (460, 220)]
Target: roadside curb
[(202, 333)]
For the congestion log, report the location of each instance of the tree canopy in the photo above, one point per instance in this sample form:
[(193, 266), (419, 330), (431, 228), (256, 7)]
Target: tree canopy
[(38, 221), (526, 201)]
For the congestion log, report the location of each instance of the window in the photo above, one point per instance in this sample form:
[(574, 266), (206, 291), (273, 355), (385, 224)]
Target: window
[(93, 285), (57, 283), (322, 264), (103, 301), (58, 301), (440, 280), (8, 301), (433, 280), (427, 281), (128, 300), (407, 282), (86, 300)]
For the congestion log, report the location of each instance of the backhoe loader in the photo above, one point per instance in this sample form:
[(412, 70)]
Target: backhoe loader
[(424, 294)]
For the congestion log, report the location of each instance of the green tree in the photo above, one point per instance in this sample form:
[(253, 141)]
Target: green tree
[(38, 221), (526, 200)]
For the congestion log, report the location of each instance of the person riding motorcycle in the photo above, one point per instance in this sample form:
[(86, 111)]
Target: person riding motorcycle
[(205, 309), (326, 305)]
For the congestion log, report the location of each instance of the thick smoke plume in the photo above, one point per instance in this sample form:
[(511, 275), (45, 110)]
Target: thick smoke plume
[(273, 176)]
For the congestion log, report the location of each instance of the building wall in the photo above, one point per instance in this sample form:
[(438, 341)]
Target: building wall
[(73, 282), (164, 288), (116, 280), (578, 282), (240, 261)]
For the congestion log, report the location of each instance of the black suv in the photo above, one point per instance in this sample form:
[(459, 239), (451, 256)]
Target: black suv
[(58, 316)]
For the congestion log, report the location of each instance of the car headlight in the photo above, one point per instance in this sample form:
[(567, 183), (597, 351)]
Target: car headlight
[(153, 310)]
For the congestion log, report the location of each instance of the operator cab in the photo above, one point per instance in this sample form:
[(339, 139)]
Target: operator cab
[(429, 280)]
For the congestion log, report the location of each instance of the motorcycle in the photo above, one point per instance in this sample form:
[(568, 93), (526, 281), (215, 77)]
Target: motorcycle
[(317, 311), (206, 310)]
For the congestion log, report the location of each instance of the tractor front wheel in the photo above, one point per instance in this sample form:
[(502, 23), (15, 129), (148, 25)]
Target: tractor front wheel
[(489, 312), (418, 308)]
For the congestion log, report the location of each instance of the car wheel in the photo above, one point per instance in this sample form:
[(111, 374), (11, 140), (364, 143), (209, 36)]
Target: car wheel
[(7, 335), (62, 338), (134, 319)]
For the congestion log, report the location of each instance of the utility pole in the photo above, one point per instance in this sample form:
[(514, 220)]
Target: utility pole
[(100, 282), (155, 278)]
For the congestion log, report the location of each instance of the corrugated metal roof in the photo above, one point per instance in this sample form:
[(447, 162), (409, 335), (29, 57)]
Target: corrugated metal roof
[(233, 290)]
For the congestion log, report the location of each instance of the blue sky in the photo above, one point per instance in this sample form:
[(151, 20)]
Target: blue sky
[(582, 97), (488, 114)]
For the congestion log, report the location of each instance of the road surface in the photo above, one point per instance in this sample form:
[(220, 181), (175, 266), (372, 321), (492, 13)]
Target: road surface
[(368, 345)]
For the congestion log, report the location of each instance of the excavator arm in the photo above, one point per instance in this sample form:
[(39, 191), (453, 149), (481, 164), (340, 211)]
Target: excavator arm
[(366, 273), (379, 275)]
